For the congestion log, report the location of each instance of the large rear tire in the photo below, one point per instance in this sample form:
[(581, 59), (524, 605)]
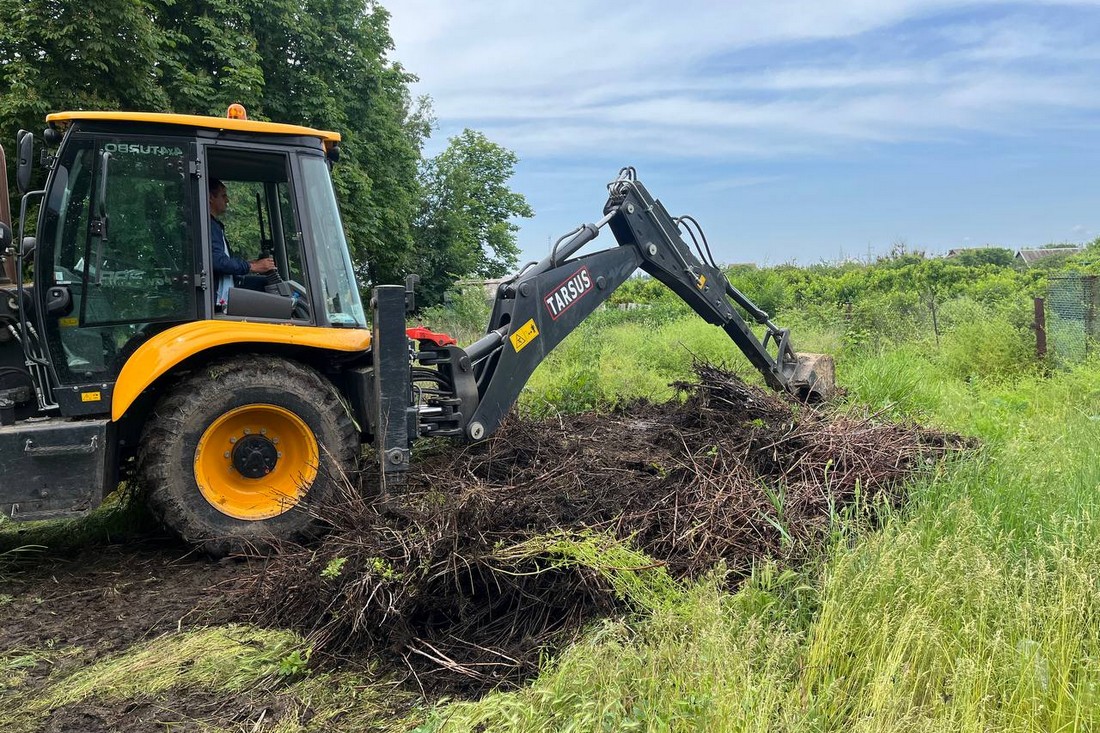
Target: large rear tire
[(234, 456)]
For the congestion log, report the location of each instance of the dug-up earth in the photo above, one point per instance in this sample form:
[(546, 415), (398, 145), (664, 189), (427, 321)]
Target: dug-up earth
[(488, 559)]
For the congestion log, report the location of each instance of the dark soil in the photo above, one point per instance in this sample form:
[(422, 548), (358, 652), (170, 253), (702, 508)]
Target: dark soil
[(726, 477), (109, 598), (104, 600), (180, 711)]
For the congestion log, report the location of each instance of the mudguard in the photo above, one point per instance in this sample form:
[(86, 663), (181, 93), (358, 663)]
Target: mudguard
[(165, 350)]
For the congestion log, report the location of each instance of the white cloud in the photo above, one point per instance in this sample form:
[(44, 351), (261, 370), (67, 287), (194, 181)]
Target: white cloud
[(577, 77), (738, 101)]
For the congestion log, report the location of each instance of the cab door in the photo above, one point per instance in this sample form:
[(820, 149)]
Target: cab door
[(117, 258)]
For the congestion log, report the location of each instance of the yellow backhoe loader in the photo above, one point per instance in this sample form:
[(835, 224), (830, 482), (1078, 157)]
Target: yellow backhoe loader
[(120, 360)]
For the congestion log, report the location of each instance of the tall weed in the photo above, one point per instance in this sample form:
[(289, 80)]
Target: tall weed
[(985, 342)]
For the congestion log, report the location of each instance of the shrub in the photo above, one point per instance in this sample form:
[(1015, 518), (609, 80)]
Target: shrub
[(985, 342)]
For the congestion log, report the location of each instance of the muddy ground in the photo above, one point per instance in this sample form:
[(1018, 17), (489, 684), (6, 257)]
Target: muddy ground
[(729, 474), (103, 600)]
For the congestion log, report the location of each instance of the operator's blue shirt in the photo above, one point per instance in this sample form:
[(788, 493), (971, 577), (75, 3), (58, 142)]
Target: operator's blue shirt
[(225, 265)]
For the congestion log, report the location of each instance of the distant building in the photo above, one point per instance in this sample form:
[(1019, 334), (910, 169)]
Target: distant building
[(1028, 256)]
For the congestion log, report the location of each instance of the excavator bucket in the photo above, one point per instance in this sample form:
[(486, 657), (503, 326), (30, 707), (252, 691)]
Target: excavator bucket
[(814, 377)]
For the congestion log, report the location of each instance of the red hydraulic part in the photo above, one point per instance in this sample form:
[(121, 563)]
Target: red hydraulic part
[(422, 334)]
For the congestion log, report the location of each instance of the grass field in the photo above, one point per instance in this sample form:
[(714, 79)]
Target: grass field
[(974, 608)]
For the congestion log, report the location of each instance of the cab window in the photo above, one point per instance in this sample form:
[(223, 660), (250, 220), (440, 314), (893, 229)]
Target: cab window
[(260, 220), (339, 290)]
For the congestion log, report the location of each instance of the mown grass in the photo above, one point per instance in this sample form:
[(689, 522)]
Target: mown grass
[(223, 661)]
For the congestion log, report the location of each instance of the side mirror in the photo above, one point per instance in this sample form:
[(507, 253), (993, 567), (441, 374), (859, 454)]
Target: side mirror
[(24, 146), (5, 237), (52, 136), (29, 244), (59, 301)]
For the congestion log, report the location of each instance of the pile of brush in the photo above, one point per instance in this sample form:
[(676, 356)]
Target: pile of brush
[(493, 553)]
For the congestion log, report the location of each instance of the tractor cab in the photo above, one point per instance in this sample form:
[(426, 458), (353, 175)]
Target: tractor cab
[(123, 248)]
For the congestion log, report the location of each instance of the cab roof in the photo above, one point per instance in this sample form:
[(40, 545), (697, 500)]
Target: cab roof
[(213, 123)]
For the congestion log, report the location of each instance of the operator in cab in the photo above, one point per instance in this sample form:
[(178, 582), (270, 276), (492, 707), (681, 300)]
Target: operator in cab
[(228, 269)]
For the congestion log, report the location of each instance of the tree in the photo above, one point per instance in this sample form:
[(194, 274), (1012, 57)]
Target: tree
[(320, 63), (978, 256), (324, 63), (465, 226), (210, 55), (64, 54)]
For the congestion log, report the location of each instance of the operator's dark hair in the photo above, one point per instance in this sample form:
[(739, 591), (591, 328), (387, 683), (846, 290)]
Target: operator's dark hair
[(215, 184)]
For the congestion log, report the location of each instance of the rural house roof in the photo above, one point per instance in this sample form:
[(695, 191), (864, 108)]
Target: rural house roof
[(1027, 256)]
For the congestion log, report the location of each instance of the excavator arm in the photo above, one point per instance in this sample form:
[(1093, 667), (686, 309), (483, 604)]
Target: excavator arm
[(466, 393)]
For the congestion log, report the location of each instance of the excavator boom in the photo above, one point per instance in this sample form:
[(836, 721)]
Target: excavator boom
[(472, 389)]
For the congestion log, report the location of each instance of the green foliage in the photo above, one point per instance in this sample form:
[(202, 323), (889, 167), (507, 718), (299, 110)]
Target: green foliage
[(768, 288), (333, 568), (464, 316), (978, 256), (88, 54), (294, 664), (984, 342), (1087, 262), (641, 289), (464, 227)]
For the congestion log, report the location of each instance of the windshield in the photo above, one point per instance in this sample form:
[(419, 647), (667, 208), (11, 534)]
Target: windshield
[(340, 293)]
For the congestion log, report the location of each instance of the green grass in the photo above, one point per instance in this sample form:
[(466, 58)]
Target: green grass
[(975, 608), (609, 360)]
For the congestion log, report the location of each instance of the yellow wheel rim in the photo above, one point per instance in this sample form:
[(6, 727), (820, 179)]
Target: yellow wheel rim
[(256, 462)]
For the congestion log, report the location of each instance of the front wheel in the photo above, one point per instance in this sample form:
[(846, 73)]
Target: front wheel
[(234, 455)]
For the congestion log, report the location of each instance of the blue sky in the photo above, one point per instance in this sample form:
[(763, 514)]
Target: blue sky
[(793, 130)]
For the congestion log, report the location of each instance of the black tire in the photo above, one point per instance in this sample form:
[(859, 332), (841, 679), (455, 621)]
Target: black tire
[(208, 405)]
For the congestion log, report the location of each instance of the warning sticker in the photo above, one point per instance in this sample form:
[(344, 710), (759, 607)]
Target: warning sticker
[(524, 335), (90, 397)]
